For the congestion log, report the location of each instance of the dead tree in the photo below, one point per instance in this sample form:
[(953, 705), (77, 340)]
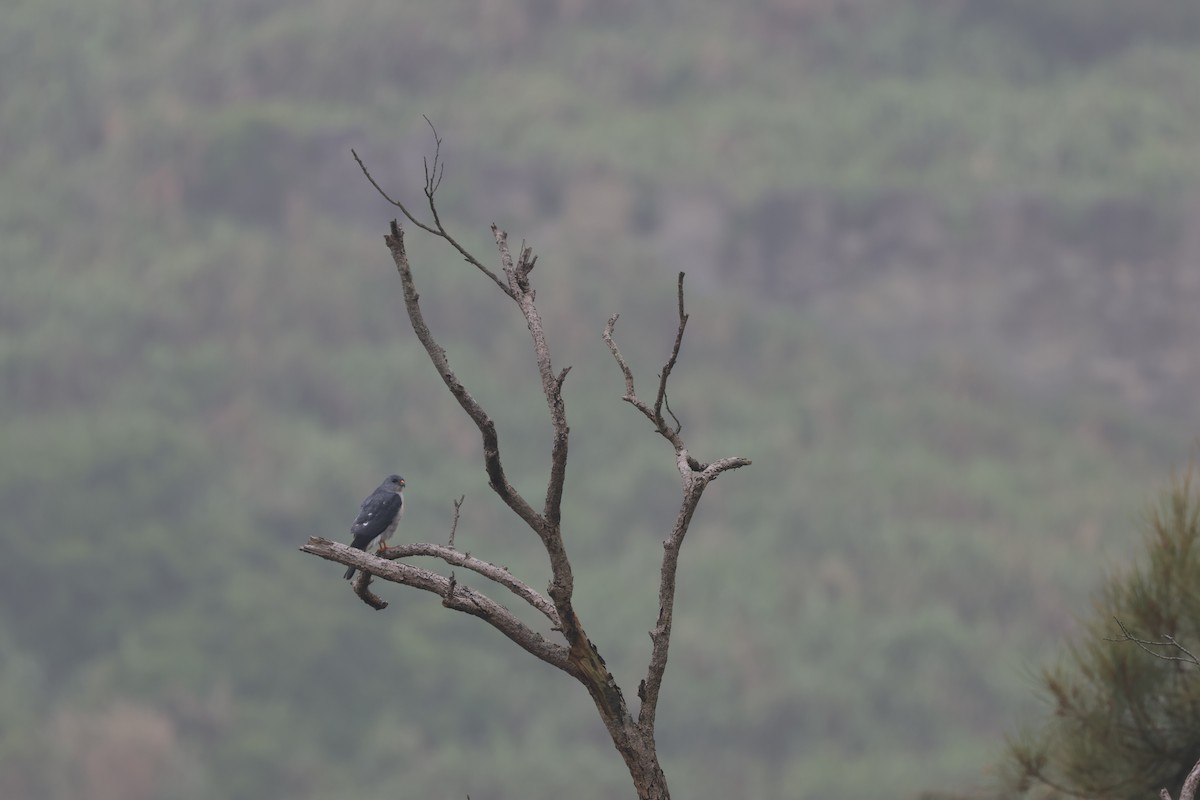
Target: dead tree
[(570, 650)]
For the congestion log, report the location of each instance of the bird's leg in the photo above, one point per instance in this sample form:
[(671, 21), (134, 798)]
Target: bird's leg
[(382, 546)]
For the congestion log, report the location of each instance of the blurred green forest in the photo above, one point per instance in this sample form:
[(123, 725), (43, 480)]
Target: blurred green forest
[(943, 260)]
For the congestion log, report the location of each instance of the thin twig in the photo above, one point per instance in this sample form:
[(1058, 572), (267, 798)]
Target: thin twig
[(667, 406), (666, 370), (631, 397), (433, 179), (387, 197), (454, 524), (630, 391), (1168, 641), (432, 185)]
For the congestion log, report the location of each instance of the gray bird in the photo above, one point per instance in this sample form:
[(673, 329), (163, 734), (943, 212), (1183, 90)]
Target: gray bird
[(378, 517)]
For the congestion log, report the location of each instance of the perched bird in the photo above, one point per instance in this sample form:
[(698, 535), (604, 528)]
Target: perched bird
[(378, 517)]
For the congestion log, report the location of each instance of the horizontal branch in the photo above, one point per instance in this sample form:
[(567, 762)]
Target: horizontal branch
[(459, 598), (724, 465), (487, 569)]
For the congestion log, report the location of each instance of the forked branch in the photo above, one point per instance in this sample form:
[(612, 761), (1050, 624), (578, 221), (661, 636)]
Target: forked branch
[(433, 179), (459, 598), (492, 572), (584, 661), (661, 398), (1167, 649), (695, 477), (653, 412), (437, 354)]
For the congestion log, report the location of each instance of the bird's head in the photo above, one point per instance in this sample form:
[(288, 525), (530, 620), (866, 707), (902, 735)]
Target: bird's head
[(394, 482)]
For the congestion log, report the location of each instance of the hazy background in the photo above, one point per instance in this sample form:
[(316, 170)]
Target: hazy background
[(944, 260)]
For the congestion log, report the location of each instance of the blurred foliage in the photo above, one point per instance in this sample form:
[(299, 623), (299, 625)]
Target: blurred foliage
[(1120, 717), (1090, 29), (203, 361)]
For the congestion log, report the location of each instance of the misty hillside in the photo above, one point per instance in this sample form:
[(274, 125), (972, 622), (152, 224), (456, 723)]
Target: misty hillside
[(943, 266)]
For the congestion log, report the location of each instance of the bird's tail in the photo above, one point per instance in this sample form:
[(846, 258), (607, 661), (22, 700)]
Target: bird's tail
[(349, 573)]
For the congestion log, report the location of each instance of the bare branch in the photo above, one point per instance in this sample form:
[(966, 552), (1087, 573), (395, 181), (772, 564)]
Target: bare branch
[(558, 453), (387, 197), (675, 419), (361, 584), (695, 477), (454, 524), (433, 179), (655, 416), (487, 569), (630, 392), (666, 370), (552, 390), (1190, 784), (585, 661), (694, 484), (1168, 642), (660, 636), (487, 428), (724, 465), (459, 598), (654, 413)]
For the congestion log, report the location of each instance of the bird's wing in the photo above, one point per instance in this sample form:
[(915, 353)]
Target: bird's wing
[(376, 515), (362, 541)]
